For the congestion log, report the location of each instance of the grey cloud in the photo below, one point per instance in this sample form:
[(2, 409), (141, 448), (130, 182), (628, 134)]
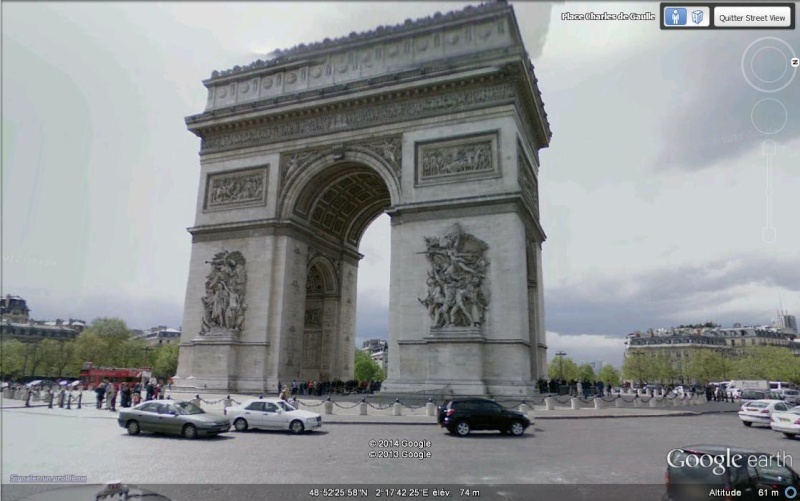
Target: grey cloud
[(663, 297), (372, 319), (716, 110)]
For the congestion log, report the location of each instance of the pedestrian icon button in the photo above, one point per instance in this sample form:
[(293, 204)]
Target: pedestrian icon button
[(676, 16)]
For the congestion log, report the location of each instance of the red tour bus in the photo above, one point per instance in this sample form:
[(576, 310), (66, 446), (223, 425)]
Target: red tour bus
[(91, 375)]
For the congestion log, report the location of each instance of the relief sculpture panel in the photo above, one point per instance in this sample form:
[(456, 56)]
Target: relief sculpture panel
[(457, 160), (224, 303), (456, 289), (232, 190)]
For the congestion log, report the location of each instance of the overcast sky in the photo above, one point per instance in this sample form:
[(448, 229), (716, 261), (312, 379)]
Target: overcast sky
[(653, 192)]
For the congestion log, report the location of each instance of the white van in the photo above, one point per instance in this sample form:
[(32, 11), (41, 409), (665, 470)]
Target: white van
[(780, 385), (737, 386)]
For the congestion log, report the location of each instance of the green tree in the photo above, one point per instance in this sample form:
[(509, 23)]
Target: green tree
[(367, 369), (563, 368), (637, 366), (586, 373), (609, 375), (662, 370), (704, 366), (166, 360), (12, 358), (771, 363)]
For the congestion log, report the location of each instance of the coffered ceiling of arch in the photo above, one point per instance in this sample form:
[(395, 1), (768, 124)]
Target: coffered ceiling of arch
[(343, 201)]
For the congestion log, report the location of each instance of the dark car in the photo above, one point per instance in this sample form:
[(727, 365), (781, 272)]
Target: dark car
[(695, 471), (460, 417), (177, 418)]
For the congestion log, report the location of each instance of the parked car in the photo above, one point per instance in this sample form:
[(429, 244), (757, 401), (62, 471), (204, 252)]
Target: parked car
[(176, 418), (750, 395), (786, 422), (272, 414), (790, 396), (693, 471), (760, 411), (462, 416)]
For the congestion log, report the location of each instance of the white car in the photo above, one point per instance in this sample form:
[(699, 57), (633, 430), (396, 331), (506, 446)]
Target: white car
[(760, 411), (787, 422), (272, 414)]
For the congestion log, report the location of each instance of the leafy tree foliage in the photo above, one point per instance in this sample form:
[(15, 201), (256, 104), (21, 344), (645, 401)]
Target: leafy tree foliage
[(106, 343), (563, 368), (367, 369), (609, 375), (637, 366), (586, 373)]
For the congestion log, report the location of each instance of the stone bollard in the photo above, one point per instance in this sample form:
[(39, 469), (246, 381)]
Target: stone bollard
[(6, 393), (653, 401), (328, 406), (430, 409), (227, 402), (549, 404), (35, 397), (397, 408), (598, 403), (525, 408), (618, 401), (637, 402), (362, 408), (576, 404), (27, 395), (50, 400), (197, 401)]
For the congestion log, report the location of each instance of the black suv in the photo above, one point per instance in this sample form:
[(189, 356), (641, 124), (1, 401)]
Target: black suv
[(695, 471), (464, 415)]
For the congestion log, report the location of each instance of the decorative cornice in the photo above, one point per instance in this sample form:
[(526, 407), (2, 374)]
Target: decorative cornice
[(306, 51), (358, 114)]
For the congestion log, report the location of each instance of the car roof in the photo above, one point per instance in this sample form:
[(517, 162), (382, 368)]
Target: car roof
[(720, 450), (474, 399)]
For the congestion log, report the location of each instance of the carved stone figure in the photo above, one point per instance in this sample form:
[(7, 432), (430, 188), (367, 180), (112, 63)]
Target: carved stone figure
[(224, 303), (455, 280)]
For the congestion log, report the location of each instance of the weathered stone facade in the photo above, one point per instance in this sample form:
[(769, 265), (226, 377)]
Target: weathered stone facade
[(438, 123)]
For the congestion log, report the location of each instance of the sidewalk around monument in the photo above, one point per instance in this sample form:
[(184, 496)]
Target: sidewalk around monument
[(349, 413)]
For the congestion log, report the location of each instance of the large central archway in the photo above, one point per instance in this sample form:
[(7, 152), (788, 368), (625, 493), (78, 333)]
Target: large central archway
[(437, 123), (337, 201)]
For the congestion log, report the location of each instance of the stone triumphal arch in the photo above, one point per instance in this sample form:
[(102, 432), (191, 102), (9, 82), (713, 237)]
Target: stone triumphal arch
[(437, 122)]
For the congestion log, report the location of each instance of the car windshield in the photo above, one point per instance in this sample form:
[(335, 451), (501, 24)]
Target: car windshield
[(189, 408), (286, 407)]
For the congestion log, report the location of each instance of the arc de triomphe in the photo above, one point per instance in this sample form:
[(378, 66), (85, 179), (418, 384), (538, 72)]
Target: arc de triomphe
[(436, 122)]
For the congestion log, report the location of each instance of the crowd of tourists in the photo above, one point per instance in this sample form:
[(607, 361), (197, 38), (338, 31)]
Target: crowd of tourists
[(337, 387), (128, 394)]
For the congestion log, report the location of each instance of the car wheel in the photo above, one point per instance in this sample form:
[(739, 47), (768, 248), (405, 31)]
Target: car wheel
[(747, 423), (296, 427), (462, 428), (133, 427), (190, 431), (789, 435), (240, 424), (516, 429)]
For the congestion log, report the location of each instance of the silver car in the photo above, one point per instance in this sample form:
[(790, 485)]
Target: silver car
[(175, 418)]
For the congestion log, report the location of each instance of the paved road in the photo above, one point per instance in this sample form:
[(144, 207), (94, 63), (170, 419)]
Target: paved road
[(591, 451)]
